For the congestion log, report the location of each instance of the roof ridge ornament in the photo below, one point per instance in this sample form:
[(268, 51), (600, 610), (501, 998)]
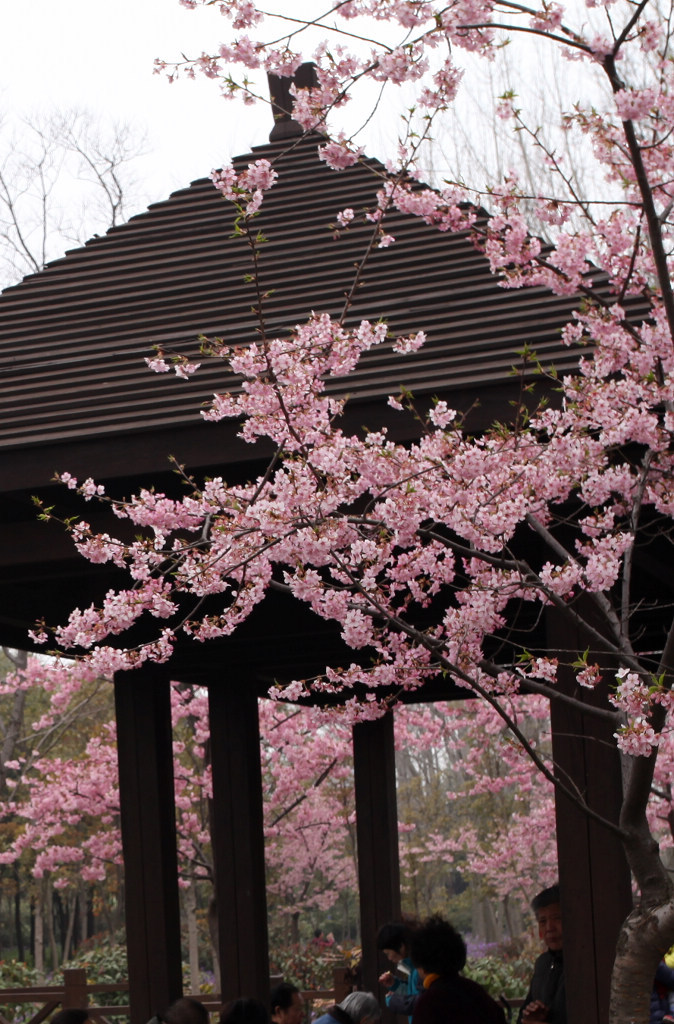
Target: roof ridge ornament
[(282, 101)]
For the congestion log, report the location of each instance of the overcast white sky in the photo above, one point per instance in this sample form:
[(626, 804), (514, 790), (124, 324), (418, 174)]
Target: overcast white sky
[(99, 54)]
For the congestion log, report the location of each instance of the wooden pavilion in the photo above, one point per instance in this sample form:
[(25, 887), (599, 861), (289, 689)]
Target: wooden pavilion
[(76, 395)]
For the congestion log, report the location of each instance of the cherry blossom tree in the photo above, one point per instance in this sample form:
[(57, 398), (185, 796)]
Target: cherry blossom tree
[(473, 807), (426, 555), (307, 774), (46, 709), (63, 804), (62, 799)]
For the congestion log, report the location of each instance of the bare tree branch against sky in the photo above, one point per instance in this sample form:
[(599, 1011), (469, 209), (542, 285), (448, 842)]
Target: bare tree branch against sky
[(90, 54)]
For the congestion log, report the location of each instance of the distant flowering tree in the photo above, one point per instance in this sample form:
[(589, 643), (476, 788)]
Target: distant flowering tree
[(559, 511), (60, 817), (307, 778), (475, 805), (63, 804)]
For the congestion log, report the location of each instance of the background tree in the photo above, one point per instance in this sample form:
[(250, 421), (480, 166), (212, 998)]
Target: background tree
[(60, 817), (309, 812), (63, 178), (478, 822), (61, 712)]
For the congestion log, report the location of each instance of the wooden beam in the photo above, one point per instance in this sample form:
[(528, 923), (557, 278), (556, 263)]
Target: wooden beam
[(377, 832), (147, 811), (593, 871), (238, 842)]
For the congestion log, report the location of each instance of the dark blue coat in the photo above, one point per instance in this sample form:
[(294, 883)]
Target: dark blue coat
[(664, 984)]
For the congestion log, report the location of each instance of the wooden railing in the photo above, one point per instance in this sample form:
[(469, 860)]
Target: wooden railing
[(75, 993)]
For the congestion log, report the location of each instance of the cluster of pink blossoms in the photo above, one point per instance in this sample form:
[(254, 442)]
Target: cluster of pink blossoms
[(247, 188)]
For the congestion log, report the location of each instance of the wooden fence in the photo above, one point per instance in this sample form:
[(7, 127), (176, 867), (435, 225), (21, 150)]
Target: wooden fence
[(76, 993)]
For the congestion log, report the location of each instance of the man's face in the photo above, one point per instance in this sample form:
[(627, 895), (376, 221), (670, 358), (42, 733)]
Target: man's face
[(550, 926), (293, 1015)]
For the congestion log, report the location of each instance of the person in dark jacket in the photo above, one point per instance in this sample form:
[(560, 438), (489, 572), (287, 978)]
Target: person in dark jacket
[(546, 998), (183, 1011), (439, 954), (244, 1011), (186, 1011), (70, 1016)]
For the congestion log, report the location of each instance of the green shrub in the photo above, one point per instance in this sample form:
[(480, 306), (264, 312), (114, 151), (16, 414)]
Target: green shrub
[(306, 967), (104, 963), (501, 975), (17, 974)]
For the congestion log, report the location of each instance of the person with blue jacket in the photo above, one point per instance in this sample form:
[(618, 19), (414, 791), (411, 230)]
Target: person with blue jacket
[(394, 942), (663, 987)]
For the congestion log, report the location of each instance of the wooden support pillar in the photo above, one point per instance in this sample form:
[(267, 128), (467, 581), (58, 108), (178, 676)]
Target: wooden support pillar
[(147, 811), (593, 871), (238, 842), (377, 832)]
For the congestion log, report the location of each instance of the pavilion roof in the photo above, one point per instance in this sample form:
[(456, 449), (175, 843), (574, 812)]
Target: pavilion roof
[(73, 337)]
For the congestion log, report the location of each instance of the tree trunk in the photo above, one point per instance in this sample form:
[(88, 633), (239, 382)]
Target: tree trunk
[(82, 904), (512, 916), (119, 912), (49, 920), (38, 926), (640, 950), (648, 931), (59, 918), (68, 939), (192, 936), (20, 952), (484, 921), (14, 728), (215, 942)]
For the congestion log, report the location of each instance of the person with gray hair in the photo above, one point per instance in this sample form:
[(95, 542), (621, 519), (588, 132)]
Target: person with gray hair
[(356, 1008)]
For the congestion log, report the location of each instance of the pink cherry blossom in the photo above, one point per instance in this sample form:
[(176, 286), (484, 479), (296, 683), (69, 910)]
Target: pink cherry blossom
[(339, 154)]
